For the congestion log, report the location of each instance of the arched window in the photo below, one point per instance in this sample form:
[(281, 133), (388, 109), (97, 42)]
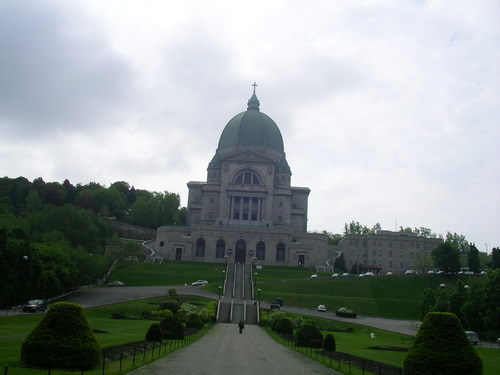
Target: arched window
[(247, 178), (220, 249), (280, 252), (260, 252), (200, 248)]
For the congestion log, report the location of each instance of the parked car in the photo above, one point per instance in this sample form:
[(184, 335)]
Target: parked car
[(274, 306), (389, 273), (369, 273), (116, 283), (200, 283), (472, 336), (410, 272), (35, 305), (314, 276), (321, 308), (335, 275), (345, 274)]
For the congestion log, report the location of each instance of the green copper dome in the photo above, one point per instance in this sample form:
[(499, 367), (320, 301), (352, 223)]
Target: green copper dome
[(252, 128)]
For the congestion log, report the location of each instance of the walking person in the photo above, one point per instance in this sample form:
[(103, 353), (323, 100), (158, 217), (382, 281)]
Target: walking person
[(241, 326)]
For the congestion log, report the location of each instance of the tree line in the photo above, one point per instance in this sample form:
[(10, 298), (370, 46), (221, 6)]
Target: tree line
[(53, 236)]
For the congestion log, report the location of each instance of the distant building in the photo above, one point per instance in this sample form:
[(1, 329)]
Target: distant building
[(246, 210), (387, 251)]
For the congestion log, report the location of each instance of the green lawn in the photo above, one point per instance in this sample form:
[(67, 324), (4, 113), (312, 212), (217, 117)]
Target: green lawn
[(359, 343), (170, 273), (114, 332), (391, 297)]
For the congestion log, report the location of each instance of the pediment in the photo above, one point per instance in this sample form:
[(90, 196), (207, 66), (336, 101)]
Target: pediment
[(248, 156)]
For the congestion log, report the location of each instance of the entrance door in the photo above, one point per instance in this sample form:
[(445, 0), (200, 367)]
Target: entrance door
[(240, 251), (302, 260), (178, 253)]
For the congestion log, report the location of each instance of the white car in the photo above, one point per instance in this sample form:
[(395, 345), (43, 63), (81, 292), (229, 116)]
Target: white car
[(321, 308), (345, 274), (314, 276), (410, 272), (369, 274), (200, 283), (389, 273), (335, 275)]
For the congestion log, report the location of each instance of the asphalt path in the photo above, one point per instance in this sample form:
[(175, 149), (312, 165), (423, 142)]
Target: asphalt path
[(224, 351)]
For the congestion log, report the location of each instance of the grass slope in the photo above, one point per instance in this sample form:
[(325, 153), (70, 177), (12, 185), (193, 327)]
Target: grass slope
[(385, 296)]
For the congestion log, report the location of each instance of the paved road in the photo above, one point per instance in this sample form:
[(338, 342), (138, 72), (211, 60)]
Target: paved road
[(224, 351)]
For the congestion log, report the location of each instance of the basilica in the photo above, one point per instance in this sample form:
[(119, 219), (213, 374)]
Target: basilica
[(246, 211)]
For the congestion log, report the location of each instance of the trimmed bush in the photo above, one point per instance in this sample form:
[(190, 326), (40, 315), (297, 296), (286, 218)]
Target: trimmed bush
[(63, 335), (329, 343), (346, 312), (170, 305), (173, 326), (441, 347), (284, 325), (307, 333), (194, 321), (154, 333)]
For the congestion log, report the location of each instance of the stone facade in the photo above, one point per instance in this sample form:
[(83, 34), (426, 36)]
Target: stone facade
[(387, 251), (246, 210)]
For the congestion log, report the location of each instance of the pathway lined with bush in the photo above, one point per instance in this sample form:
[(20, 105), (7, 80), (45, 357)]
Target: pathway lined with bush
[(224, 351)]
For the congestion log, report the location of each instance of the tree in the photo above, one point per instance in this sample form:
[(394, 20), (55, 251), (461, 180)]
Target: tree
[(442, 348), (65, 336), (458, 241), (333, 239), (329, 343), (428, 302), (340, 263), (457, 300), (473, 258), (495, 258), (446, 257)]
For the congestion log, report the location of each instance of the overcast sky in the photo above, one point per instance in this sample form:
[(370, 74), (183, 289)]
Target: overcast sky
[(389, 109)]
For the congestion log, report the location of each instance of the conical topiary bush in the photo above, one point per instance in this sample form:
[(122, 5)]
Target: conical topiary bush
[(62, 339), (442, 348)]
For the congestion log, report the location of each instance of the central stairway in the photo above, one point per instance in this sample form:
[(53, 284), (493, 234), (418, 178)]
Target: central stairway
[(237, 300)]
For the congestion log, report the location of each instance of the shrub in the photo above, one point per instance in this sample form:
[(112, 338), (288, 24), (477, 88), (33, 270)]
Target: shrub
[(172, 293), (441, 347), (211, 308), (154, 333), (170, 305), (316, 343), (346, 312), (194, 321), (174, 326), (329, 343), (65, 336), (284, 325), (273, 317), (306, 334), (118, 315)]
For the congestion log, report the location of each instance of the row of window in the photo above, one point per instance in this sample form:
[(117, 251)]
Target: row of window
[(374, 253), (374, 243), (220, 249), (390, 264)]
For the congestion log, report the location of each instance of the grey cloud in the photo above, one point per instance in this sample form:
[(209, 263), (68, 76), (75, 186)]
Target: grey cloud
[(56, 70)]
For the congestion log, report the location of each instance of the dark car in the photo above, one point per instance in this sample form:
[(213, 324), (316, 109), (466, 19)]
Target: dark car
[(35, 305)]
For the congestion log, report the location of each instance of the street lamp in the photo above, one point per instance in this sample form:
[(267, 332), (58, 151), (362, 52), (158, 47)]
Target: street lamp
[(223, 276), (255, 278), (220, 290), (258, 294)]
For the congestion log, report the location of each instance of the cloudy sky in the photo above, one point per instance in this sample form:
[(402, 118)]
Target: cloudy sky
[(389, 109)]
